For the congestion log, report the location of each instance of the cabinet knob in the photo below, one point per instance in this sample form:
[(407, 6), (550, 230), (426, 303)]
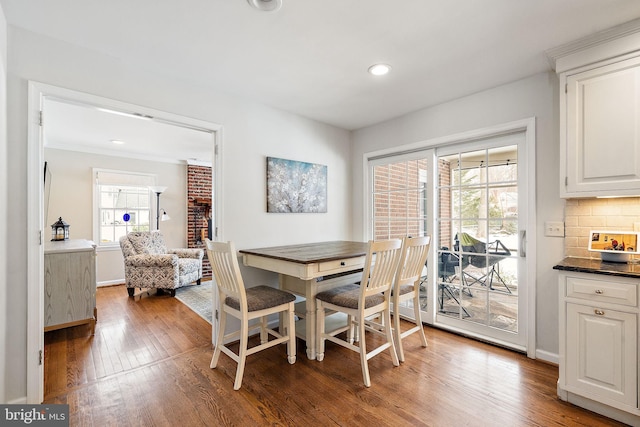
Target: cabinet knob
[(599, 291), (598, 312), (342, 263)]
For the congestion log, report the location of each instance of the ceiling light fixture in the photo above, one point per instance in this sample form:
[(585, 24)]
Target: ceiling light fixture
[(266, 5), (379, 69), (117, 141)]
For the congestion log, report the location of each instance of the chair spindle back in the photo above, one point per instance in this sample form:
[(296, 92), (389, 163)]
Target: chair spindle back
[(381, 265), (414, 256), (226, 270)]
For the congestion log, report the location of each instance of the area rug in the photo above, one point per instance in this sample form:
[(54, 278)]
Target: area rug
[(197, 298)]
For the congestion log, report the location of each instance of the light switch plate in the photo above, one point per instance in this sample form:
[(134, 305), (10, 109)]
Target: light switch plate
[(554, 229)]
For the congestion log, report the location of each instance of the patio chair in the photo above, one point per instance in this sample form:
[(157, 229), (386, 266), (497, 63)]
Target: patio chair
[(488, 256), (447, 263)]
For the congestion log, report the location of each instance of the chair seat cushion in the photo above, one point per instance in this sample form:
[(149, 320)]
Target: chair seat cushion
[(348, 296), (261, 297), (404, 289)]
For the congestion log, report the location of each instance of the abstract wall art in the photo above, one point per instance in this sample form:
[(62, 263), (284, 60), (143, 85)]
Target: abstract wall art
[(296, 187)]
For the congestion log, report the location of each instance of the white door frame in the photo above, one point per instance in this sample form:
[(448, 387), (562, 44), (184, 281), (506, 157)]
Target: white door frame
[(35, 221), (528, 126)]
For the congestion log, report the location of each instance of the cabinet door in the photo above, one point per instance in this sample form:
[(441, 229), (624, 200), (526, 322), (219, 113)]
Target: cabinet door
[(70, 287), (601, 354), (602, 131)]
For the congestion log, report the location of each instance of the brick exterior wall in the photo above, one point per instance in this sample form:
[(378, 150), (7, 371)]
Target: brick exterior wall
[(399, 200), (199, 184), (399, 204), (444, 200)]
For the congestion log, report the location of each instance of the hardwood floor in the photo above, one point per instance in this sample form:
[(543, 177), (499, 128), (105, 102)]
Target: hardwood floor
[(148, 364)]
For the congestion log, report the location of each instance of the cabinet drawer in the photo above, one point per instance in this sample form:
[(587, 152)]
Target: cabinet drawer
[(603, 291), (341, 264)]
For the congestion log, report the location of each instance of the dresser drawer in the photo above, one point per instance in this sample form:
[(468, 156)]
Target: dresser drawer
[(603, 291), (341, 264)]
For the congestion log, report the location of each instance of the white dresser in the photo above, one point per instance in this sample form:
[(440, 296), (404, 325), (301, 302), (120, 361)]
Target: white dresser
[(69, 283)]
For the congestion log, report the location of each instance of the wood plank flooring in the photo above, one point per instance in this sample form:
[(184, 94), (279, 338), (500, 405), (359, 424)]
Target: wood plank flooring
[(148, 365)]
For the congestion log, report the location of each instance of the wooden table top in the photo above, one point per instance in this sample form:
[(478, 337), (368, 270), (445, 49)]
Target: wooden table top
[(310, 253)]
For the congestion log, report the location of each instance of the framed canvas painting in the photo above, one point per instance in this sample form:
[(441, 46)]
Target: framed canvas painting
[(296, 187)]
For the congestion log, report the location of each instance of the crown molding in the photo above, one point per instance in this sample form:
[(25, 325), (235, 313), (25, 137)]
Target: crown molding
[(620, 40)]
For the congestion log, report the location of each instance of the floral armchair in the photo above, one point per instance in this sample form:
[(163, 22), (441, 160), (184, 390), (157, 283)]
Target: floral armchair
[(149, 264)]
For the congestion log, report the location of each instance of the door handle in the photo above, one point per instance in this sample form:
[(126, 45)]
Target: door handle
[(523, 243)]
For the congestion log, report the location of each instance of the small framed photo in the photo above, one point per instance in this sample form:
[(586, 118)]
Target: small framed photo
[(614, 241)]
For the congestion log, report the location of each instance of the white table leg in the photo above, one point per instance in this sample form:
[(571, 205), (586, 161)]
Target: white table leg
[(310, 319)]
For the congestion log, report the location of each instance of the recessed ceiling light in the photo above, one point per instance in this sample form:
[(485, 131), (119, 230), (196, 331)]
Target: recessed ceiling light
[(379, 69), (117, 141), (266, 5)]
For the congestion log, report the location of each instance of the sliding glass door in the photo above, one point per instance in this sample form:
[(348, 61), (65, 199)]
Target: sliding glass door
[(470, 197), (479, 279)]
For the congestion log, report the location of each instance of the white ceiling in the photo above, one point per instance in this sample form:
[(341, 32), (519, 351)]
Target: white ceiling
[(84, 128), (311, 57)]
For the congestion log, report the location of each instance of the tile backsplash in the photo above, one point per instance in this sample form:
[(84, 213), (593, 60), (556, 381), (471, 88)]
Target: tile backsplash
[(583, 215)]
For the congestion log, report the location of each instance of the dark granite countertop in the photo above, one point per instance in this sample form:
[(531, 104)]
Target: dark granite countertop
[(596, 266)]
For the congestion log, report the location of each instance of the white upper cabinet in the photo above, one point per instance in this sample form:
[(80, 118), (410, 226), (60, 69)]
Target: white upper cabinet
[(600, 115), (602, 138)]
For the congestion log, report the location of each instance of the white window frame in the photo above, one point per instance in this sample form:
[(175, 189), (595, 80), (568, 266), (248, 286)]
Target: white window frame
[(121, 178)]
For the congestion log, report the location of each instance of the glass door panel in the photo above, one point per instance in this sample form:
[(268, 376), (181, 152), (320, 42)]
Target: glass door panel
[(400, 198), (477, 282)]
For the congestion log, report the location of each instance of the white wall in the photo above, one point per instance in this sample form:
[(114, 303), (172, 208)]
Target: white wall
[(3, 199), (72, 198), (536, 96), (250, 131)]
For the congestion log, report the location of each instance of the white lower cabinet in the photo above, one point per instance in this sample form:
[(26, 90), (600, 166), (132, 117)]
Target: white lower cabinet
[(599, 344)]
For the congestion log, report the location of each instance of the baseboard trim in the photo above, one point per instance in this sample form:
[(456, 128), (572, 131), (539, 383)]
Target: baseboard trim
[(110, 283), (547, 356)]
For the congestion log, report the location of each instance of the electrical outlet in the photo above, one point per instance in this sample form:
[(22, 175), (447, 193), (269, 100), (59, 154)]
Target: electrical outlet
[(554, 229)]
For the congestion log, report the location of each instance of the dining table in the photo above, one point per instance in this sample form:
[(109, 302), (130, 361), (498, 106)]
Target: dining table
[(308, 269)]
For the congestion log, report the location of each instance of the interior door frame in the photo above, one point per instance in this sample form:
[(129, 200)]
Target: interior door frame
[(36, 232), (528, 126)]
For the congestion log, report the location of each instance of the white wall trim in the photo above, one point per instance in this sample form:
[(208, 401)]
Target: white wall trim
[(4, 195), (35, 248), (620, 40), (548, 356), (105, 283), (35, 221), (530, 238)]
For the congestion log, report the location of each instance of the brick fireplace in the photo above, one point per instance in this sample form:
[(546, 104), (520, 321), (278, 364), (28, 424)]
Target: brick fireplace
[(199, 213)]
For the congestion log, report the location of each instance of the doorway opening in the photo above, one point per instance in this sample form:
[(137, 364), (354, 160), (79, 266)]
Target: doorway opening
[(39, 95)]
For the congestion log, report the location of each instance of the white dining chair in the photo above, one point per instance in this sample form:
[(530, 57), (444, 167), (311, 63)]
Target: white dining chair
[(247, 304), (362, 302), (407, 287)]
